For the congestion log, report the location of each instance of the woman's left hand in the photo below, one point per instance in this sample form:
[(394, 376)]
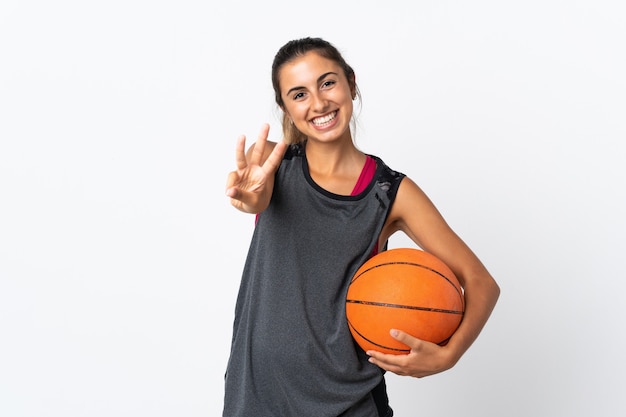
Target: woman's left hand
[(424, 359)]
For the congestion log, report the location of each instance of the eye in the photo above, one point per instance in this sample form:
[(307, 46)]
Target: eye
[(298, 95), (328, 83)]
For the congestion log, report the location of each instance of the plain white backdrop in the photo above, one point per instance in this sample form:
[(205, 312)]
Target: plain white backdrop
[(120, 256)]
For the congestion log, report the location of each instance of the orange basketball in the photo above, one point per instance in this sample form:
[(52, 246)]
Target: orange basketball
[(405, 289)]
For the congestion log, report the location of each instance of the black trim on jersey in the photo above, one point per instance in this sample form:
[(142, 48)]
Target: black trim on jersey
[(385, 178)]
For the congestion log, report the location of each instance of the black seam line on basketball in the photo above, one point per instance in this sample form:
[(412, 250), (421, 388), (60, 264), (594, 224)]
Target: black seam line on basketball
[(408, 263), (377, 344), (378, 304)]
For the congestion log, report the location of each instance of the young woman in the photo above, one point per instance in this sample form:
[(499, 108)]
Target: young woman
[(323, 208)]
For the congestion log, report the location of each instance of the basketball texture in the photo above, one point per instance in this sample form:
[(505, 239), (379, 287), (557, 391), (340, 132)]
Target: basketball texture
[(405, 289)]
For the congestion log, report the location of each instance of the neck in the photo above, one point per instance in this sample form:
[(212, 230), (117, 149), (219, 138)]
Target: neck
[(338, 158)]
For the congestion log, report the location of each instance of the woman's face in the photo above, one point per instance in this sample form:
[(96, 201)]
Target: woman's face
[(317, 97)]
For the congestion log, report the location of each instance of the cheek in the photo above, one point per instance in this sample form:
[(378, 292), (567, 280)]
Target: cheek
[(294, 111), (350, 104)]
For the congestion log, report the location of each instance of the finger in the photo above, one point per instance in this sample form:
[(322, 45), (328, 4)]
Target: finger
[(274, 159), (240, 152), (231, 189), (238, 198), (388, 362), (259, 146)]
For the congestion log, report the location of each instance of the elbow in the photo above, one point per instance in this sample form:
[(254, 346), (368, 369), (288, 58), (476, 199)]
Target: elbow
[(494, 291)]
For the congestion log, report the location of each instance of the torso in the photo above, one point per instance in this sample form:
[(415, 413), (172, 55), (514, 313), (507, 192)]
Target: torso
[(323, 238)]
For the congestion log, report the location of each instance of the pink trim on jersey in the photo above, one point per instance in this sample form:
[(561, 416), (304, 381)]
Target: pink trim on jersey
[(367, 173)]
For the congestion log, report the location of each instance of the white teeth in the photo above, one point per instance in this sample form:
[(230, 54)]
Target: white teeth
[(321, 121)]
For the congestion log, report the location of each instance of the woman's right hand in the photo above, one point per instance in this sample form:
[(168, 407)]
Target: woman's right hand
[(250, 186)]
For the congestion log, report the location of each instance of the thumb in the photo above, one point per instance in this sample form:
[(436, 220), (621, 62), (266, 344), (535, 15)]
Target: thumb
[(397, 334), (403, 337)]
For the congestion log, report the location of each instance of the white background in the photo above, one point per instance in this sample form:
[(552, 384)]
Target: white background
[(120, 256)]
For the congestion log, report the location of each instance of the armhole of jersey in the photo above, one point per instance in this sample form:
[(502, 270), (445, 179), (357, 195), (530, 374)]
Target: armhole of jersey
[(367, 174), (392, 180)]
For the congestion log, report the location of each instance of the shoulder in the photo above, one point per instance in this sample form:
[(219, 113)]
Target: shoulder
[(412, 206), (387, 179), (413, 213)]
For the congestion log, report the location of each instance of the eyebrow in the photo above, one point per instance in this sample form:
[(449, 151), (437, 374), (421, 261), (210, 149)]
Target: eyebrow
[(320, 78)]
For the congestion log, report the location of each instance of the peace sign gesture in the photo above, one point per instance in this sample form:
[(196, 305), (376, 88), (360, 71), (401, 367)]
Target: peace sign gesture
[(250, 186)]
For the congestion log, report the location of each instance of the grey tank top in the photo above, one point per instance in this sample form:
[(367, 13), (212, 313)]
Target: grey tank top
[(292, 353)]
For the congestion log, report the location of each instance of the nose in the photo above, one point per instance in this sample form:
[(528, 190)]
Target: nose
[(319, 103)]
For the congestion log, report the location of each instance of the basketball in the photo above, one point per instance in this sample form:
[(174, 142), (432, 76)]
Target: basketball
[(405, 289)]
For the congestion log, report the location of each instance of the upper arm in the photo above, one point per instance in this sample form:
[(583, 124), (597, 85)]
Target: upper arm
[(414, 214)]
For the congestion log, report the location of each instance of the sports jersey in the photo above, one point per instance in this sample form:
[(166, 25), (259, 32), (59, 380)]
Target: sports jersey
[(292, 353)]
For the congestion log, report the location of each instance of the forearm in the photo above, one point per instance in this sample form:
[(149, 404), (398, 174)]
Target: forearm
[(481, 295)]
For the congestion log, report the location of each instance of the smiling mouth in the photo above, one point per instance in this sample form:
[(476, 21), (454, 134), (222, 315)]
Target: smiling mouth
[(324, 120)]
